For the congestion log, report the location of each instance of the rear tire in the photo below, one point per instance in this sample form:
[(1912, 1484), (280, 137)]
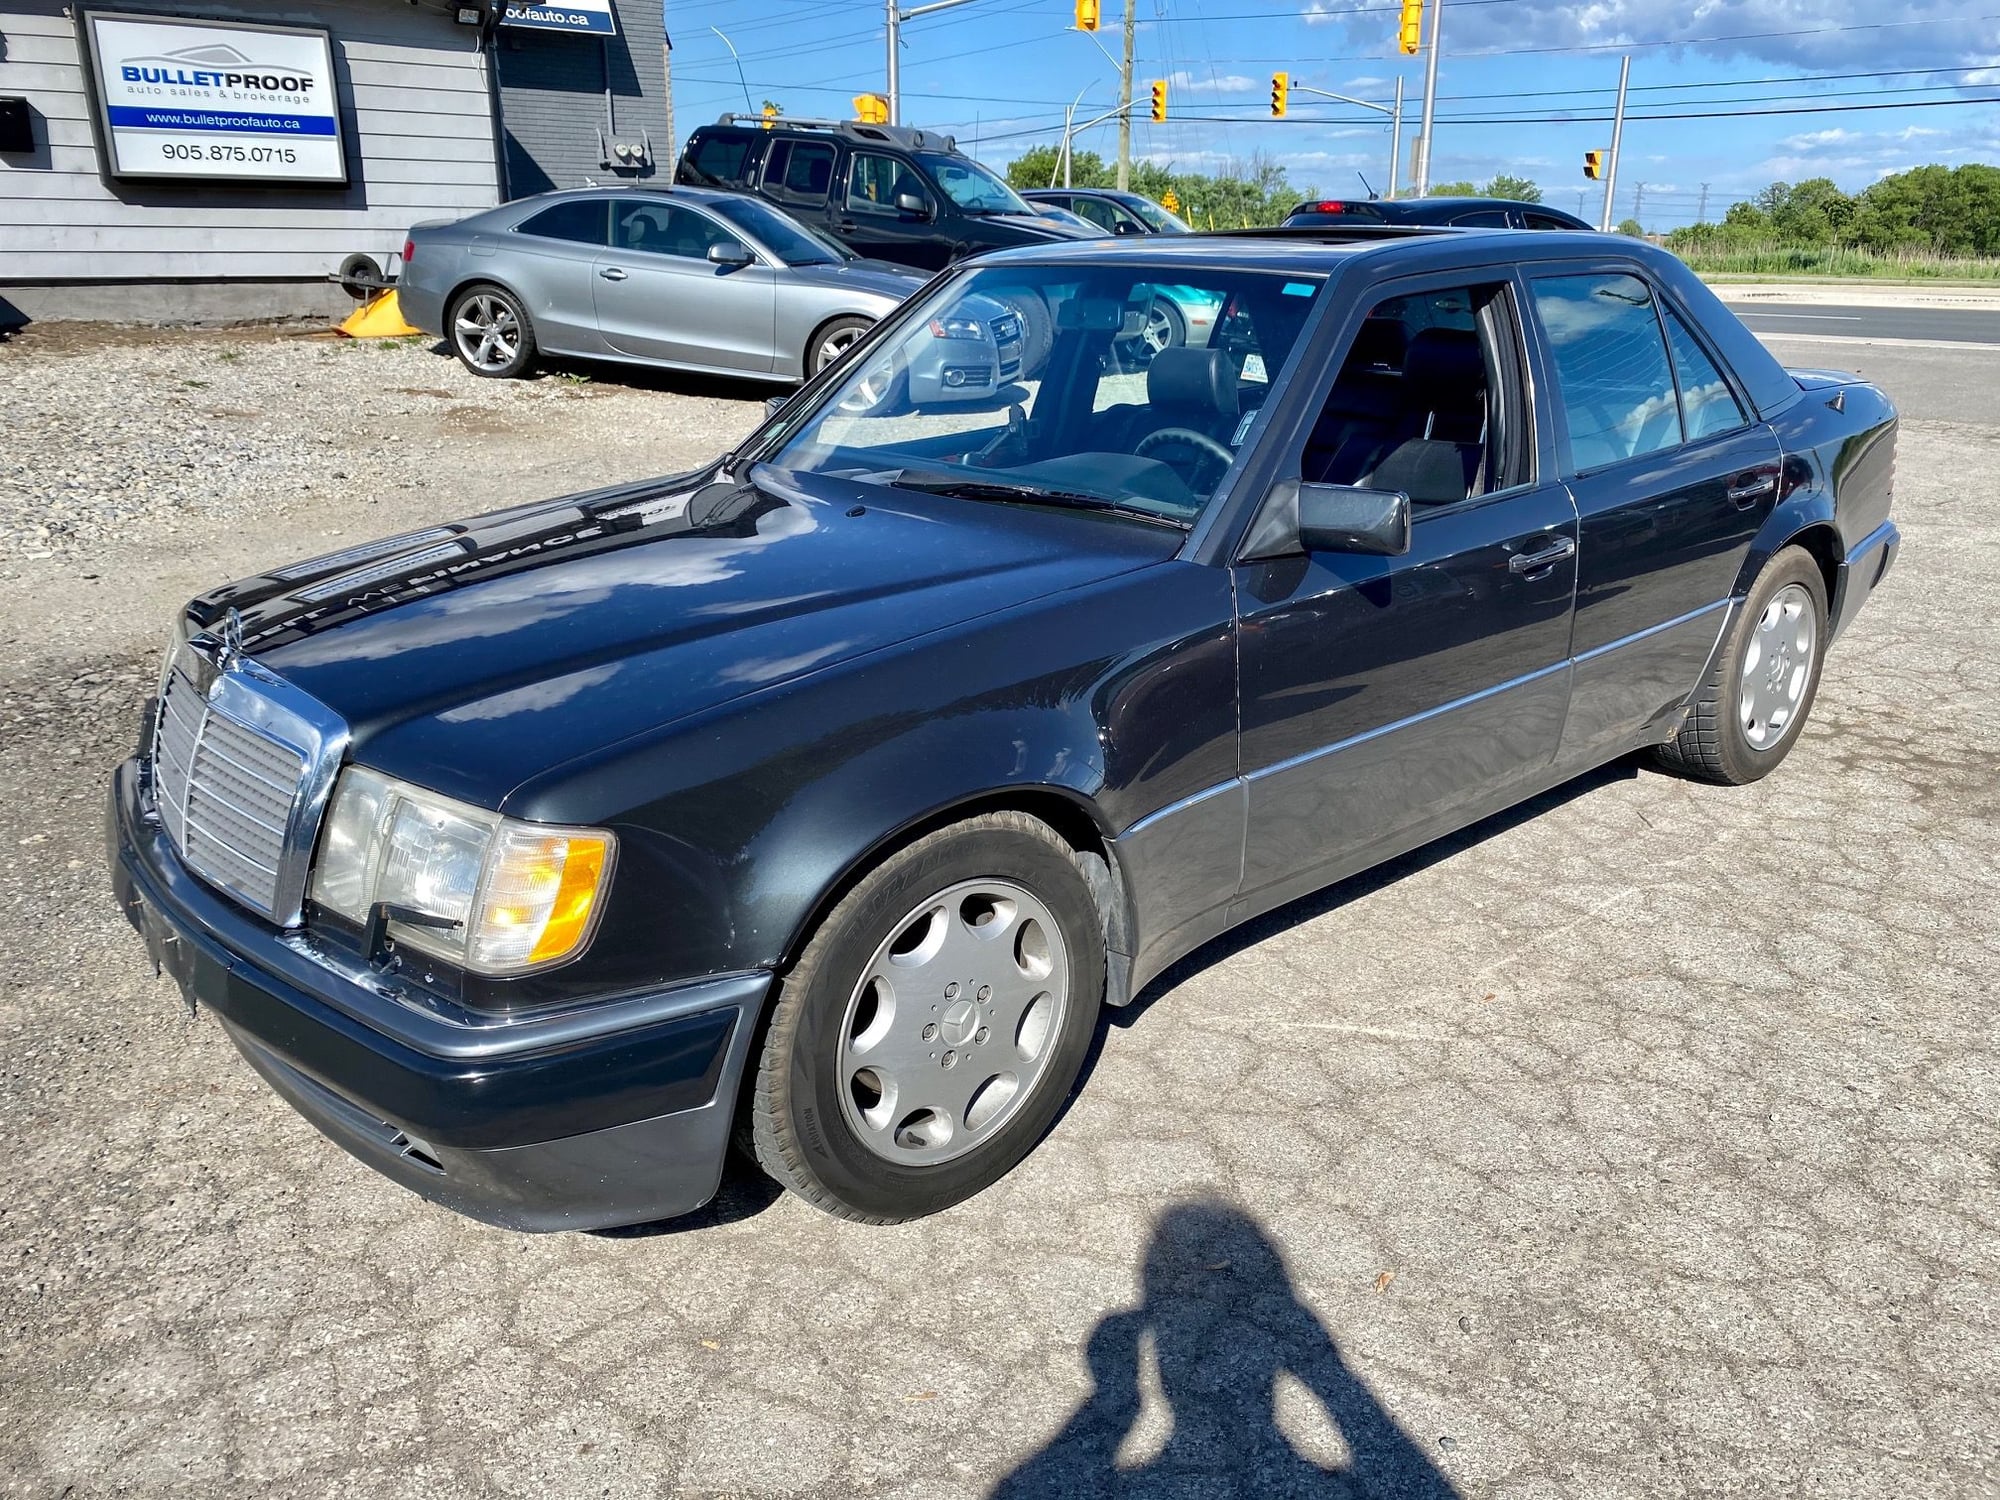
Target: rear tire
[(490, 333), (934, 1025), (1751, 709)]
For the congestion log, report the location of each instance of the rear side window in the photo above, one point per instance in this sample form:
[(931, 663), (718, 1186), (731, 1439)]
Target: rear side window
[(1543, 221), (581, 221), (1482, 218), (804, 175), (721, 158), (1613, 380), (1708, 405)]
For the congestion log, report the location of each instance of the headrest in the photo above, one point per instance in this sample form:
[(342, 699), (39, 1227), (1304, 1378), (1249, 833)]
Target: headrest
[(1445, 359), (1378, 344), (1203, 380)]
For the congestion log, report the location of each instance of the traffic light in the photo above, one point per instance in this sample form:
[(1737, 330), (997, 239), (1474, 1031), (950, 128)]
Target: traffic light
[(1086, 15), (1281, 94), (1159, 100), (871, 109), (770, 114), (1593, 165), (1410, 32)]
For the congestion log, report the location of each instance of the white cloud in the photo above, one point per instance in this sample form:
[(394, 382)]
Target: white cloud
[(1319, 13), (1225, 83)]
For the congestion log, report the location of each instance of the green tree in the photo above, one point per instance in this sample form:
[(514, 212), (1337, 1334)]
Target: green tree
[(1506, 185), (1041, 166), (1453, 190), (1632, 228)]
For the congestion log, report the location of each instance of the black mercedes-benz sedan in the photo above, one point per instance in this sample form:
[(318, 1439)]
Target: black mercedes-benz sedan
[(820, 799)]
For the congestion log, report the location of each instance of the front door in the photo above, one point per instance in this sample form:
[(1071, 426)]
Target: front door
[(660, 297), (1672, 479), (868, 221), (1385, 700)]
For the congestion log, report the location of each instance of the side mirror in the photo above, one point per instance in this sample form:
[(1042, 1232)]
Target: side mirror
[(1126, 226), (730, 253), (1329, 518), (775, 404), (911, 204), (1341, 518)]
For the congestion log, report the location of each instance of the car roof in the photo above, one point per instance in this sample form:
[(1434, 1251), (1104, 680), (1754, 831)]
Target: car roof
[(1421, 208), (1321, 249), (683, 192)]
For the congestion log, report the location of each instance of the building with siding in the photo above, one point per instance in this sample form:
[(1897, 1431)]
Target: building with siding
[(442, 109)]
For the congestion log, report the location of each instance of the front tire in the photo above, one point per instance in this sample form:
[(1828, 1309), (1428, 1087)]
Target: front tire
[(934, 1025), (490, 333), (834, 340), (1751, 709)]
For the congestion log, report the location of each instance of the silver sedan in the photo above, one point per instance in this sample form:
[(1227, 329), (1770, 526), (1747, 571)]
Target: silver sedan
[(688, 279)]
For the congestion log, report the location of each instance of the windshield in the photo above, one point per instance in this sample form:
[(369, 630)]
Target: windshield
[(972, 187), (1114, 387), (781, 234), (1162, 221)]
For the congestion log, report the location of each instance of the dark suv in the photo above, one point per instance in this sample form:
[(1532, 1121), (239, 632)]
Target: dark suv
[(1466, 213), (884, 191)]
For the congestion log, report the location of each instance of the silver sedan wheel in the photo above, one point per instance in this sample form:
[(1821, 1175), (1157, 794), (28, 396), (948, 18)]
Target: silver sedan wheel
[(487, 331), (1159, 331), (953, 1022), (836, 344), (1777, 668)]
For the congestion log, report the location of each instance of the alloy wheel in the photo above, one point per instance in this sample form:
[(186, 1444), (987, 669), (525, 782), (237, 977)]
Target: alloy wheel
[(953, 1022), (1777, 667), (487, 331)]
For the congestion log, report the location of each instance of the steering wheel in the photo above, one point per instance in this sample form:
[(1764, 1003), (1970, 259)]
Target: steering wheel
[(1187, 436)]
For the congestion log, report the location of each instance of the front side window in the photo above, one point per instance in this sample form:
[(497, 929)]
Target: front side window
[(581, 221), (1038, 385), (665, 229), (781, 234), (1482, 218), (1613, 380), (1415, 407), (1096, 210), (972, 187), (1156, 217), (1544, 221), (874, 183), (1708, 405)]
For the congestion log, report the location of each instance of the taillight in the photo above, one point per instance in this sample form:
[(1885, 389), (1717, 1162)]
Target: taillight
[(1330, 207), (409, 251)]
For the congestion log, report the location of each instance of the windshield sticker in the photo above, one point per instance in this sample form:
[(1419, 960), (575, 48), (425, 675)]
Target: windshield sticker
[(1298, 289)]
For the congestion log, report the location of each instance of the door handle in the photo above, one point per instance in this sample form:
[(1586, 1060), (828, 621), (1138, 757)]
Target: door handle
[(1548, 557), (612, 273), (845, 225), (1752, 488)]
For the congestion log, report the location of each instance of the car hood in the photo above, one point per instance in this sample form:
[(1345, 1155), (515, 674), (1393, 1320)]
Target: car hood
[(471, 657), (879, 276), (1055, 229)]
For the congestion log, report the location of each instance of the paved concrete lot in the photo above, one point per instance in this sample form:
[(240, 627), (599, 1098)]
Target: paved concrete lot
[(1639, 1144)]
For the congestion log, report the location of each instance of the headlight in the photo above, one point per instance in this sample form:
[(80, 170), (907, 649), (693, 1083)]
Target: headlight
[(957, 328), (491, 894)]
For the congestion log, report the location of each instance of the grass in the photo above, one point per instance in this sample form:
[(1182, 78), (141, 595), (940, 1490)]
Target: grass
[(1836, 261)]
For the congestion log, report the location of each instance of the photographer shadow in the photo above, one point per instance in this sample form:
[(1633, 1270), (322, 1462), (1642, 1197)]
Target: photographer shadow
[(1225, 1323)]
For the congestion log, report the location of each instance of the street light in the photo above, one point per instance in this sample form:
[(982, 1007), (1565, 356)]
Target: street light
[(1393, 111), (897, 16)]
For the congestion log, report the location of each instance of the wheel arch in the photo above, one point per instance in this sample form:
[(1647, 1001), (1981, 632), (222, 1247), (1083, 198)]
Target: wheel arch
[(1805, 519), (819, 331), (1075, 819)]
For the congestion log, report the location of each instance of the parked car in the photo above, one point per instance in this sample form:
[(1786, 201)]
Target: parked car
[(887, 191), (1466, 213), (687, 279), (1079, 227), (825, 794), (1111, 210)]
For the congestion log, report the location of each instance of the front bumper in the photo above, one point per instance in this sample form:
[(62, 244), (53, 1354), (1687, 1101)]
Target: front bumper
[(616, 1113)]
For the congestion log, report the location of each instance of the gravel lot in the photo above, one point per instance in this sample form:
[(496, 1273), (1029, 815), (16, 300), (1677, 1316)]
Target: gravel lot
[(1640, 1144)]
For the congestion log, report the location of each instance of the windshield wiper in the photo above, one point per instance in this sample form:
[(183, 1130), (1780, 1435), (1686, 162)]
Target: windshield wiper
[(1029, 494)]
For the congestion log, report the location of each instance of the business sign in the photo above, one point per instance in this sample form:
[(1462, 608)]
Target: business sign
[(216, 100), (592, 16)]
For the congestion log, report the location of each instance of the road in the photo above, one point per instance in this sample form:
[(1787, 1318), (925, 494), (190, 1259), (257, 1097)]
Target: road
[(1640, 1143), (1950, 324)]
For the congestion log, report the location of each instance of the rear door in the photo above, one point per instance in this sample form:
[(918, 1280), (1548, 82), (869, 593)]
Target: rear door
[(660, 297), (1672, 479), (1385, 699), (549, 259)]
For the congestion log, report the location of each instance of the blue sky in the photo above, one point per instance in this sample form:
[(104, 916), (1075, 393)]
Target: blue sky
[(1513, 76)]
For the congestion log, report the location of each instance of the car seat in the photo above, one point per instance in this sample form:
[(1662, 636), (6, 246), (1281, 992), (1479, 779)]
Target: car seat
[(1435, 450), (1193, 388)]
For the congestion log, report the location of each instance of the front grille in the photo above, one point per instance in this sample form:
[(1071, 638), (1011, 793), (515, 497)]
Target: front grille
[(227, 794)]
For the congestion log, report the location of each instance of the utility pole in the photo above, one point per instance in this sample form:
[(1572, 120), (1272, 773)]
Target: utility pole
[(1125, 103), (1617, 139), (1430, 101), (1701, 213), (1580, 195), (897, 15), (1639, 204), (667, 74)]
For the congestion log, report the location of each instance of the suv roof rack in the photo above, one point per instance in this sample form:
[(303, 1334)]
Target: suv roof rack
[(905, 136)]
